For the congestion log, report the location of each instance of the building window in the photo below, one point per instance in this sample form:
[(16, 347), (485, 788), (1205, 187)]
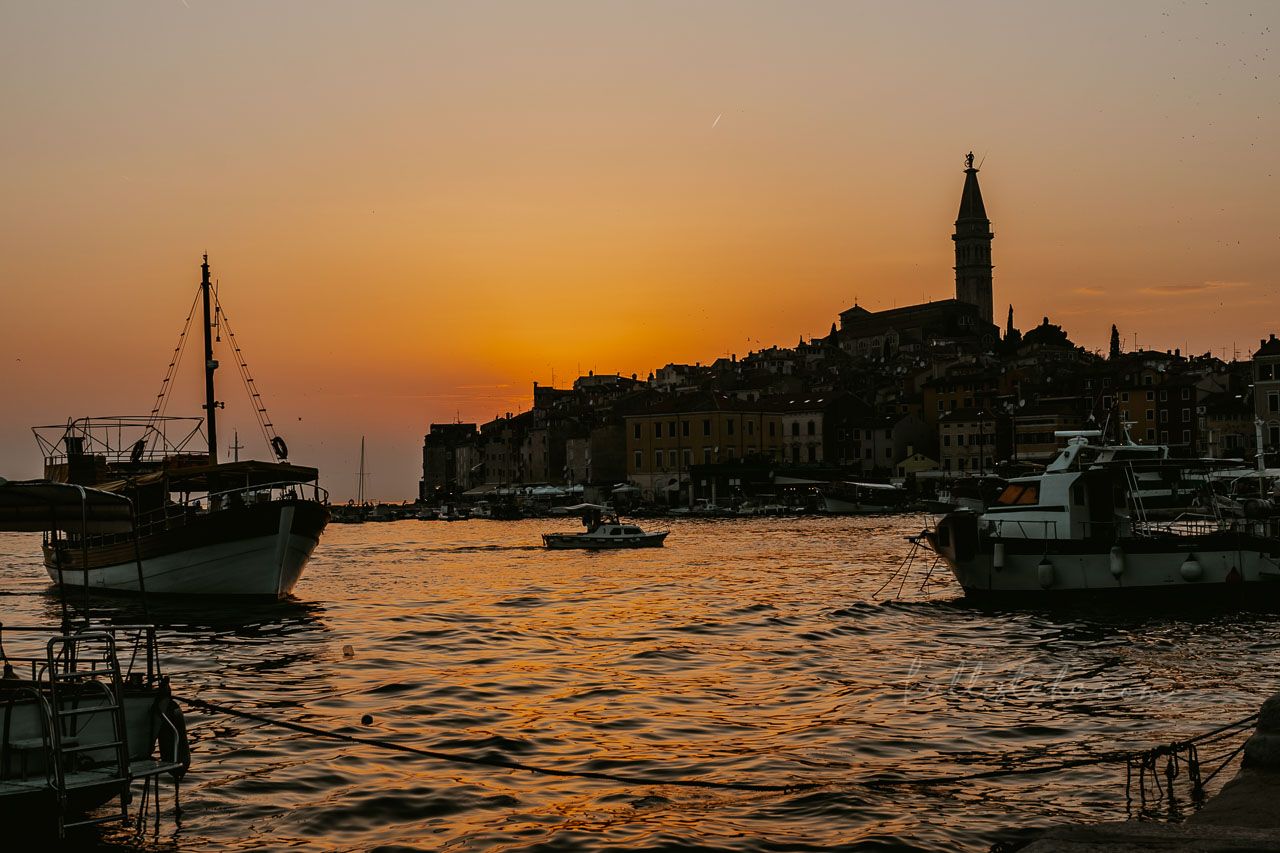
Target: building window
[(729, 454), (1106, 403), (946, 441), (1151, 435), (772, 428), (1186, 416), (671, 455), (1273, 401), (1164, 436), (1186, 436), (941, 406), (657, 459), (1151, 414), (811, 429), (1124, 396), (888, 453), (1266, 372), (751, 427), (637, 429), (729, 427), (1164, 395), (960, 440), (795, 427), (706, 426), (684, 428), (639, 457), (706, 456), (1151, 395), (813, 453), (1164, 416)]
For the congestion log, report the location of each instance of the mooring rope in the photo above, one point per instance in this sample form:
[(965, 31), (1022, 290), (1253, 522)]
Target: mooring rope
[(1143, 760), (499, 762)]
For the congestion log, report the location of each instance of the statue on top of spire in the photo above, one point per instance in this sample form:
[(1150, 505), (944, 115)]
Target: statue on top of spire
[(968, 161)]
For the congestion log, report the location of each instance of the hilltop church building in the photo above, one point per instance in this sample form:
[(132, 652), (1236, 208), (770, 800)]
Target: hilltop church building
[(964, 322)]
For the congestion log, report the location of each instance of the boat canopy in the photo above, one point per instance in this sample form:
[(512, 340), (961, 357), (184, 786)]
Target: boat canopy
[(581, 507), (226, 475), (41, 505)]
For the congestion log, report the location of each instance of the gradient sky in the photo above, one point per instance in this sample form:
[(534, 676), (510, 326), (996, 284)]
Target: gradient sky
[(416, 210)]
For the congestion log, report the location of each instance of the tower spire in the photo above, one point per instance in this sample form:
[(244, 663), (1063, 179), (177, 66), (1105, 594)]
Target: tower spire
[(973, 238)]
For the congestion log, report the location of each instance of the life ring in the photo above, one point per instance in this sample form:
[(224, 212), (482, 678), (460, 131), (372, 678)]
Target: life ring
[(281, 449)]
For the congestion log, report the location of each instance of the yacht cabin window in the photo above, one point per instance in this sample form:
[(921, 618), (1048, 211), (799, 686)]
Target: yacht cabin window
[(1019, 494)]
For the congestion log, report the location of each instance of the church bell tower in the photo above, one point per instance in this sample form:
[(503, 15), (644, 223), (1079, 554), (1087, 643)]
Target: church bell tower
[(973, 246)]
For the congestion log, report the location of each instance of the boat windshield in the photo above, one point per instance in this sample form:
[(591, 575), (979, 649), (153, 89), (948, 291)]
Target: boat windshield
[(1019, 494)]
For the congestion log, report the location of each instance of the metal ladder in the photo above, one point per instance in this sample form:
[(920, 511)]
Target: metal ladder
[(88, 742)]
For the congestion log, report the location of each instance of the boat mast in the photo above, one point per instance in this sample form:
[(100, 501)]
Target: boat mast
[(210, 404), (360, 485)]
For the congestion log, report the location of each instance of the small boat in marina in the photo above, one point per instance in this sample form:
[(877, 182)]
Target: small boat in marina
[(604, 532), (1084, 526), (850, 498), (79, 726), (203, 527)]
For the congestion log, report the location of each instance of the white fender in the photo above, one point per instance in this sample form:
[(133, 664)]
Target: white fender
[(1191, 570), (1044, 573), (1117, 561)]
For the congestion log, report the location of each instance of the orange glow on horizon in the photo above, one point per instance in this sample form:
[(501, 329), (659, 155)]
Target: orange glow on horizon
[(416, 213)]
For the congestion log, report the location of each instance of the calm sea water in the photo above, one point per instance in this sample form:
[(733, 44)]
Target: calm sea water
[(744, 651)]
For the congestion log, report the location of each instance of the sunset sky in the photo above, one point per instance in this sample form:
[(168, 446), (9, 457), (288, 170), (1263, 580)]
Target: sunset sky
[(416, 210)]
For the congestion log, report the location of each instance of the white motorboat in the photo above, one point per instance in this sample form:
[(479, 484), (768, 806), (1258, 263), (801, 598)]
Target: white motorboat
[(1083, 526), (604, 531)]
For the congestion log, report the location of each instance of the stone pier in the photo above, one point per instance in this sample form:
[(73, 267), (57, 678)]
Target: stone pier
[(1244, 816)]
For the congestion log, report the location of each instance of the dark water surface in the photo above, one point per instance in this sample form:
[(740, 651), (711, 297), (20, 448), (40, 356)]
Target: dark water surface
[(744, 651)]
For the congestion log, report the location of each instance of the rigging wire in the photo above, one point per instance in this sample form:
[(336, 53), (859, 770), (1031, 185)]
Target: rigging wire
[(162, 399), (255, 398)]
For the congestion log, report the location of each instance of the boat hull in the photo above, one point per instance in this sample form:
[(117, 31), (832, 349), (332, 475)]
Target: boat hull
[(1194, 566), (838, 506), (253, 551), (26, 797)]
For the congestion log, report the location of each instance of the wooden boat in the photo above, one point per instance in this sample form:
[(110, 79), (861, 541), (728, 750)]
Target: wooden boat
[(204, 527), (604, 532), (78, 728)]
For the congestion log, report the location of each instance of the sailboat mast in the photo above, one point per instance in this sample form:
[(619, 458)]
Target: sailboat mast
[(210, 404), (360, 487)]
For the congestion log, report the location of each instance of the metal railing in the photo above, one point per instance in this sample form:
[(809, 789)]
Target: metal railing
[(25, 647), (176, 515)]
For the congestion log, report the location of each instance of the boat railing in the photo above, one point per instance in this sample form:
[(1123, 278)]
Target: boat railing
[(175, 515), (1039, 528), (1199, 524), (24, 653)]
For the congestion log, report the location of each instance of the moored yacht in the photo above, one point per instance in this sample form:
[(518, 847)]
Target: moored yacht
[(1085, 524)]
